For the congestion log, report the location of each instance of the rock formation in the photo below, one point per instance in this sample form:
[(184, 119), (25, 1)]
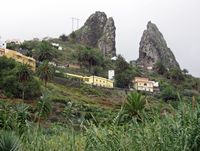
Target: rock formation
[(153, 48), (98, 31)]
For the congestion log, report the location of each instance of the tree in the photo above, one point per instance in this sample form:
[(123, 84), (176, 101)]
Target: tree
[(73, 37), (12, 82), (176, 75), (45, 51), (124, 73), (24, 75), (45, 72), (64, 38), (89, 57), (168, 93), (185, 71)]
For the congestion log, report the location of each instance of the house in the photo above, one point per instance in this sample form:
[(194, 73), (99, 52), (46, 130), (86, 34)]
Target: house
[(19, 57), (57, 46), (99, 81), (111, 74), (144, 84), (93, 80)]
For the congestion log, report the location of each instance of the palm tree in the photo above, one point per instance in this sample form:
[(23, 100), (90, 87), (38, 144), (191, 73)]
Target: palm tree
[(134, 104), (45, 51), (24, 75), (45, 72)]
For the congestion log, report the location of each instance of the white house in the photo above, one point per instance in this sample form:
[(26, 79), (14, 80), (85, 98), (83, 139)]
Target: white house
[(111, 74)]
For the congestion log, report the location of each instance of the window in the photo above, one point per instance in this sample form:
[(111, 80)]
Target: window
[(145, 84), (87, 79)]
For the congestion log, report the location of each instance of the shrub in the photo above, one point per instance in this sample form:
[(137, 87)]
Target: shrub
[(134, 104), (9, 142)]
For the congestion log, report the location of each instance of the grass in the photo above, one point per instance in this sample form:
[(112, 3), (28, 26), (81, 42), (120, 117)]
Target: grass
[(156, 131), (83, 124)]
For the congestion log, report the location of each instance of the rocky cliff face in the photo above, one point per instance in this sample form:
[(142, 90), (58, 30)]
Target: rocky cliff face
[(98, 31), (153, 48)]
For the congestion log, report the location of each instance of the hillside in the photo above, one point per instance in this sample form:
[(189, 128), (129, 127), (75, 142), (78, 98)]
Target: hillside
[(57, 107)]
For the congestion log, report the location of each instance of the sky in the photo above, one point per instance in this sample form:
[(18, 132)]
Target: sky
[(178, 20)]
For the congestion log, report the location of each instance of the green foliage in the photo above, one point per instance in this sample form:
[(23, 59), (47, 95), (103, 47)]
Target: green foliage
[(6, 116), (124, 73), (22, 117), (103, 139), (45, 51), (176, 75), (24, 75), (45, 72), (16, 79), (9, 142), (64, 38), (89, 58), (168, 93), (13, 46), (88, 90), (73, 37), (43, 107), (134, 104)]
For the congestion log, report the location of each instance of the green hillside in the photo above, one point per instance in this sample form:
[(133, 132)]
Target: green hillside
[(48, 111)]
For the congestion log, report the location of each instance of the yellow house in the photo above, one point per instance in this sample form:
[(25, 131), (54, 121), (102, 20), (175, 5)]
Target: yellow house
[(19, 57), (143, 84), (99, 81), (94, 80)]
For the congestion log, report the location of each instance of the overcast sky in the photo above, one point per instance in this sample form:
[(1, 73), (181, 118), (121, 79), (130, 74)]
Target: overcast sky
[(178, 20)]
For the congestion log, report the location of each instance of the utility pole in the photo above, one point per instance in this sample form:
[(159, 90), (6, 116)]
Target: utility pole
[(73, 23)]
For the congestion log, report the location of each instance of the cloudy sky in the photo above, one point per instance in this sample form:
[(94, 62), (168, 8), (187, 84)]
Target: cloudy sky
[(178, 20)]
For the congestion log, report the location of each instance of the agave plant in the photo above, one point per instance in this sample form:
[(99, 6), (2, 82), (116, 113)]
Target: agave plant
[(134, 104), (43, 107), (9, 142), (22, 117)]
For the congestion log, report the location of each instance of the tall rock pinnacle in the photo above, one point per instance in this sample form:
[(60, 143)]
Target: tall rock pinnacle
[(98, 31), (153, 48)]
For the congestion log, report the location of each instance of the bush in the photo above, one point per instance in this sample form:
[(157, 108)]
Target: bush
[(9, 81), (168, 93), (9, 142)]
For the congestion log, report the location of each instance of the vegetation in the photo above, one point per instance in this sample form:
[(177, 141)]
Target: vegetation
[(45, 51), (45, 72), (16, 81), (161, 127), (24, 75), (67, 115), (124, 73), (90, 59), (9, 142)]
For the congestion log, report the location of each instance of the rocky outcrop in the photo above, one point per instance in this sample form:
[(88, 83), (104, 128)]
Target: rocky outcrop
[(153, 48), (107, 42), (98, 31)]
